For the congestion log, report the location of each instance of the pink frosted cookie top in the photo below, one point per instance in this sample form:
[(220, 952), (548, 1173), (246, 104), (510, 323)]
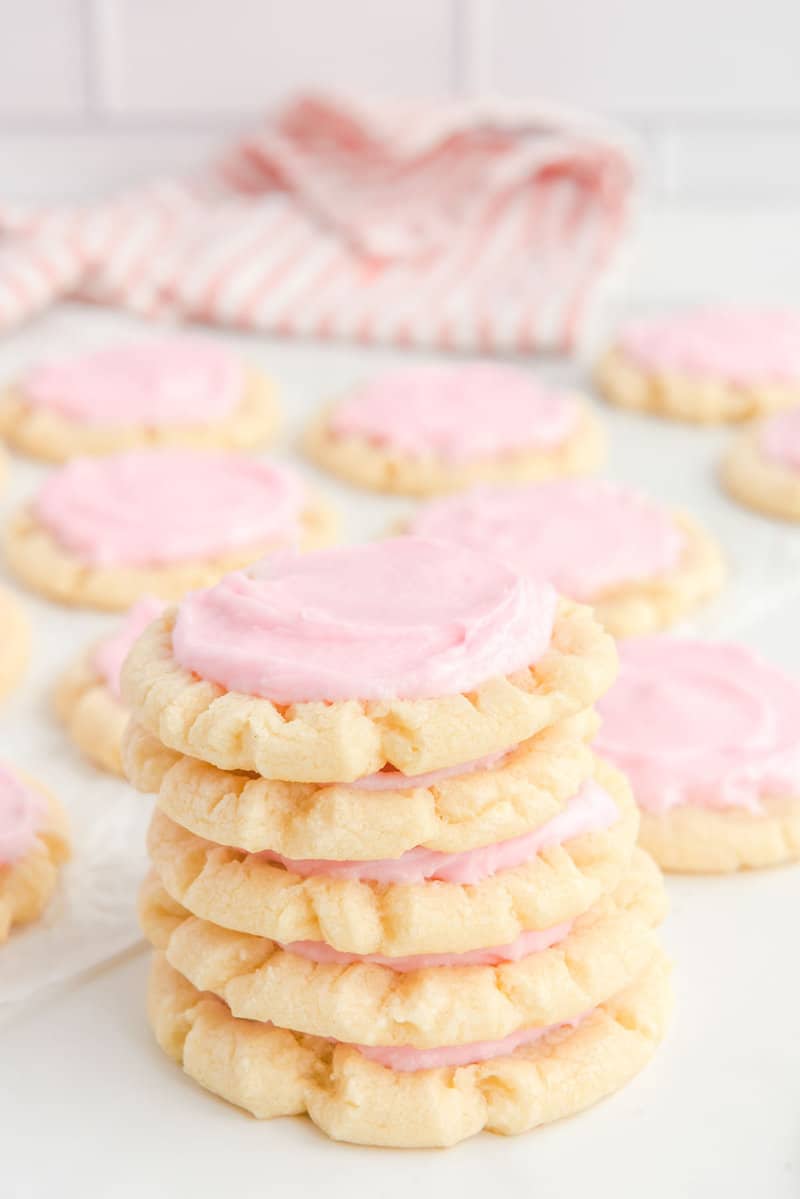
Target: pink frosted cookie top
[(155, 507), (180, 381), (735, 345), (456, 413), (22, 810), (589, 811), (699, 722), (404, 618), (584, 536), (407, 1058), (780, 439), (389, 779), (109, 654), (533, 941)]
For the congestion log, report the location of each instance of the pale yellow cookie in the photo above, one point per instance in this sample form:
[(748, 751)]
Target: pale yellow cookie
[(303, 820), (703, 400), (255, 895), (695, 840), (39, 561), (753, 479), (371, 1004), (318, 742), (27, 884), (381, 469), (94, 718), (273, 1072), (649, 605), (15, 637), (48, 434)]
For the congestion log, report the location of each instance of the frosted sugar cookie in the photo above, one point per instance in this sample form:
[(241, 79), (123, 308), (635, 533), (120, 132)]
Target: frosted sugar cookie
[(404, 1097), (544, 977), (416, 654), (487, 896), (707, 365), (709, 736), (640, 565), (177, 391), (33, 845), (87, 698), (14, 641), (430, 429), (762, 466), (102, 532), (384, 814)]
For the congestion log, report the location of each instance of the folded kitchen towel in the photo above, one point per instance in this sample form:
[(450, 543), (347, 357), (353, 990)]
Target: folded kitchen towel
[(470, 225)]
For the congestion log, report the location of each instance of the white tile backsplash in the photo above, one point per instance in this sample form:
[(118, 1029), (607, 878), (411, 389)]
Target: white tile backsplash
[(95, 94)]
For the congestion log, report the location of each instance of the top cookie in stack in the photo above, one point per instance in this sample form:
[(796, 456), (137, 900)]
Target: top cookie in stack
[(392, 887)]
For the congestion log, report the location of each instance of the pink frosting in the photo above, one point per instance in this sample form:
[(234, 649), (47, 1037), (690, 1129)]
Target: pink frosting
[(705, 723), (737, 345), (582, 535), (389, 779), (109, 654), (181, 381), (533, 941), (456, 413), (406, 1058), (780, 439), (22, 810), (154, 507), (590, 810), (401, 618)]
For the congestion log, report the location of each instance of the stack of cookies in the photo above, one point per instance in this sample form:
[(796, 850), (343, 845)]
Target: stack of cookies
[(392, 887)]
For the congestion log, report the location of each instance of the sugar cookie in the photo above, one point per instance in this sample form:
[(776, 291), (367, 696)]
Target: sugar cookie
[(171, 392), (15, 636), (87, 698), (448, 657), (708, 736), (706, 365), (431, 429), (271, 1071), (33, 845), (102, 532), (762, 466), (640, 565)]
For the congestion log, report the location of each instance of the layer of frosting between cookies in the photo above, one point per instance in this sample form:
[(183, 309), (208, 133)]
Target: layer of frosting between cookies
[(457, 414), (779, 439), (156, 507), (22, 811), (733, 345), (406, 618), (591, 809), (108, 654), (175, 381), (584, 536), (704, 723)]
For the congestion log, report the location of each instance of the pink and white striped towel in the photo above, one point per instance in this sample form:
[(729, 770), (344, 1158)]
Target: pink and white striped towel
[(466, 226)]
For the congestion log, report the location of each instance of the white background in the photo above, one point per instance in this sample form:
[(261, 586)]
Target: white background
[(97, 93)]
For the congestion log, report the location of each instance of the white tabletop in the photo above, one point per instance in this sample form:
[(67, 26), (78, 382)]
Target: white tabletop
[(89, 1106)]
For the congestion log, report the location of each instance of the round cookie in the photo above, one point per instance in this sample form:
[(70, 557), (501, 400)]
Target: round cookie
[(431, 429), (481, 898), (762, 466), (385, 815), (544, 978), (272, 1072), (709, 736), (706, 365), (641, 566), (33, 845), (171, 392), (102, 532), (15, 637), (420, 655), (87, 698)]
